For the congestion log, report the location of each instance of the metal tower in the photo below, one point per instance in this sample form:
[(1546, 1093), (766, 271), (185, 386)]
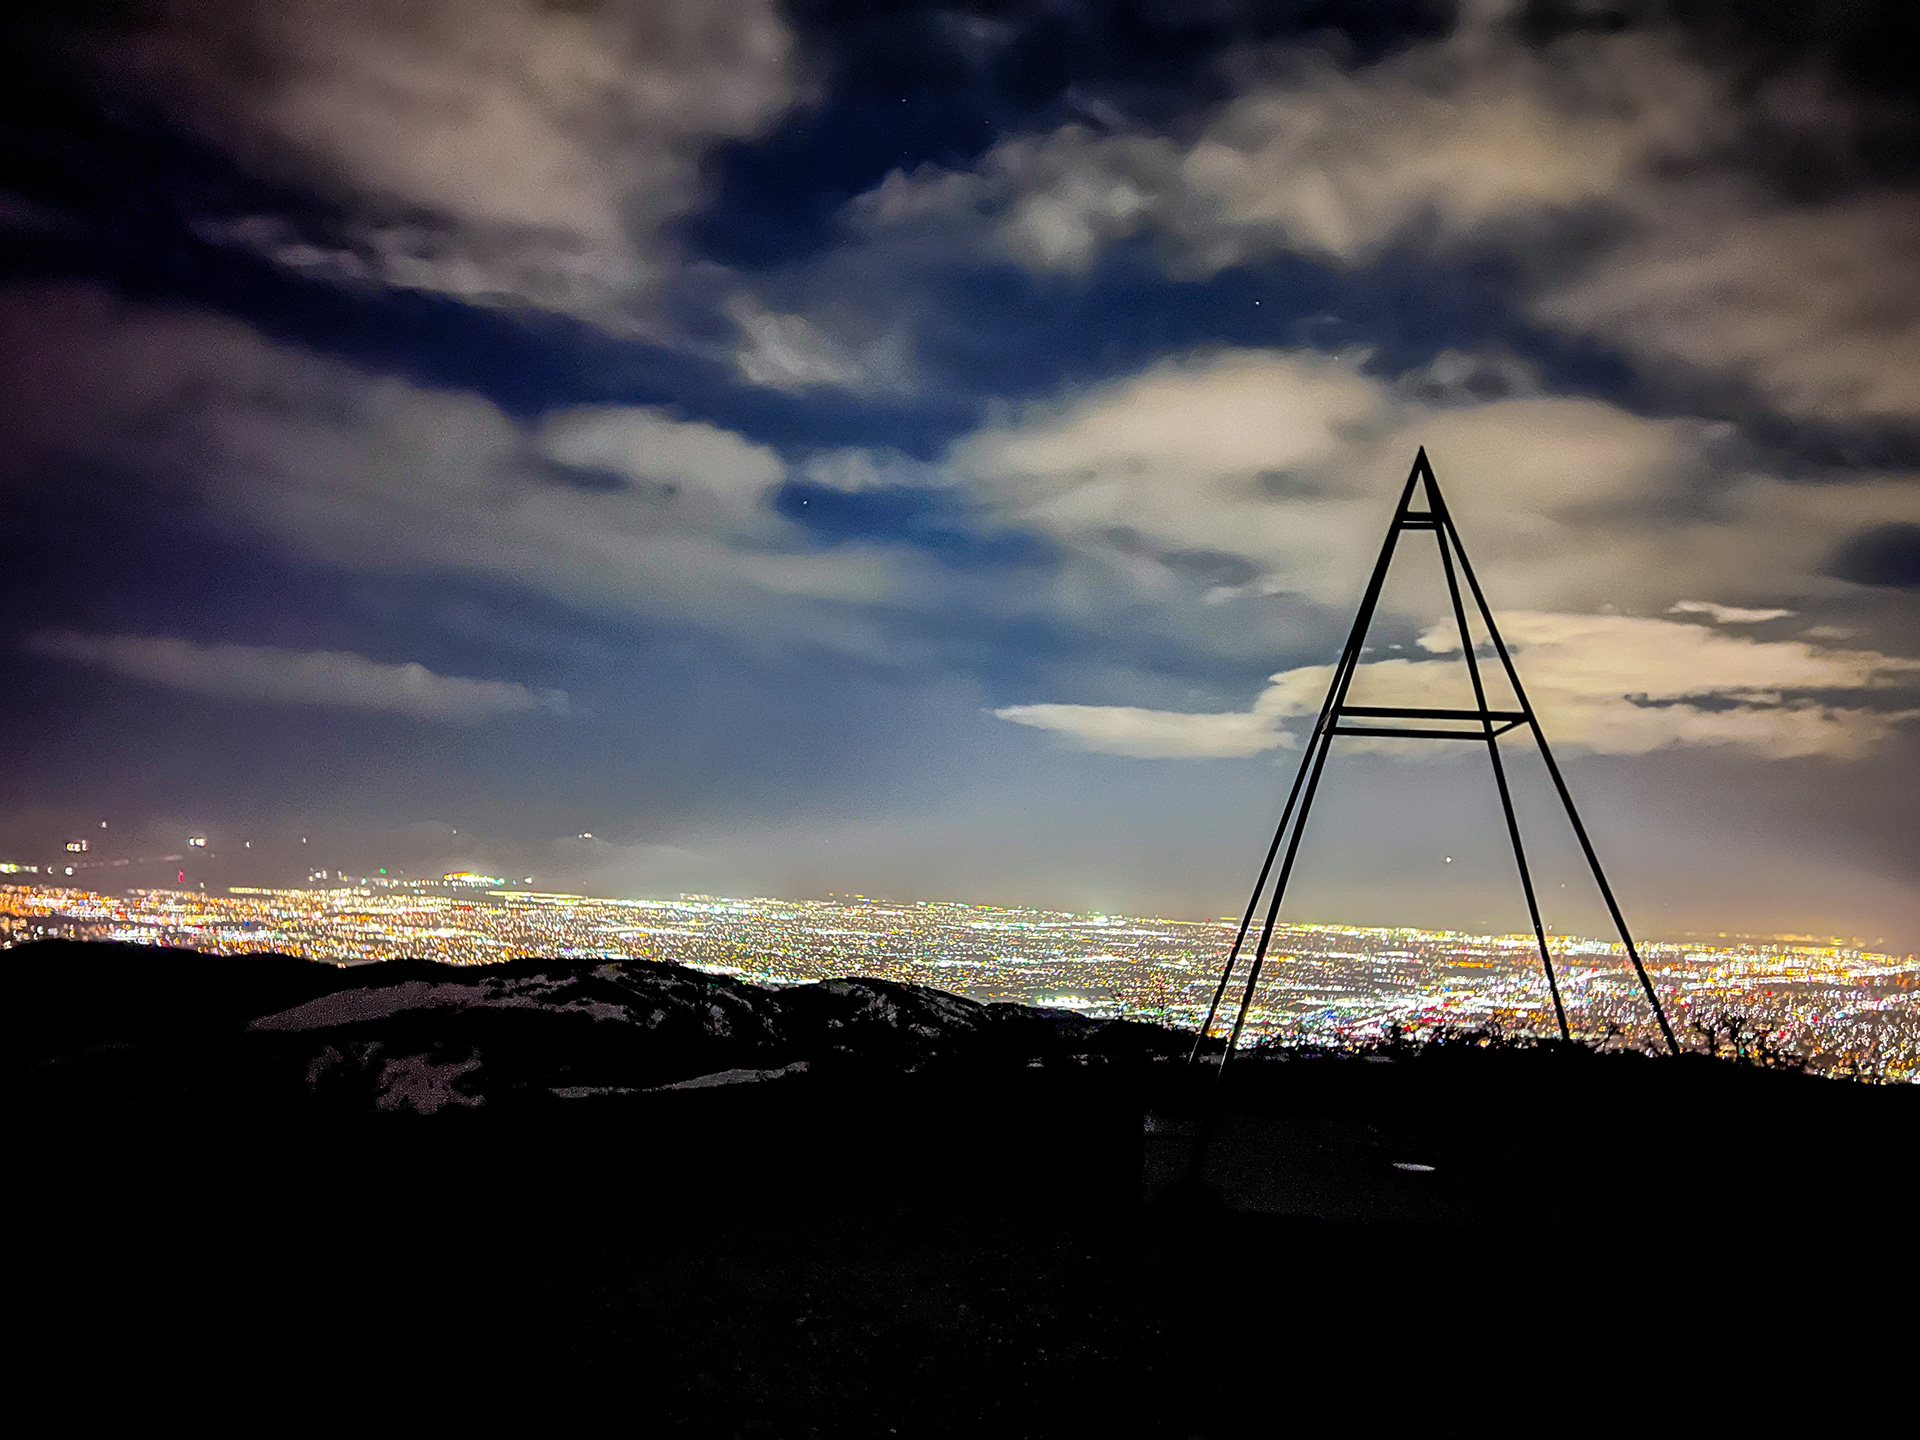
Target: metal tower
[(1337, 718)]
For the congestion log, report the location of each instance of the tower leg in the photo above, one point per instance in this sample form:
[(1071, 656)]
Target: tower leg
[(1317, 740), (1260, 883), (1314, 761), (1443, 532), (1566, 796)]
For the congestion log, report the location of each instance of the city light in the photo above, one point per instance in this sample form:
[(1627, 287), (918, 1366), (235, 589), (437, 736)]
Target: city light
[(1845, 1008)]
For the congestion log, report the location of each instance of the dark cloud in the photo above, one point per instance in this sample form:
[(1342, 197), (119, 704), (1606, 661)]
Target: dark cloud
[(1884, 555), (328, 678)]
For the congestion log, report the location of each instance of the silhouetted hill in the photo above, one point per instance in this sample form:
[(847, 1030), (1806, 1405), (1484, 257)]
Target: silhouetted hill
[(584, 1195), (119, 1022)]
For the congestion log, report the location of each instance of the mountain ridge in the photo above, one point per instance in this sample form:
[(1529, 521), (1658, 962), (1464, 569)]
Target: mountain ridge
[(421, 1035)]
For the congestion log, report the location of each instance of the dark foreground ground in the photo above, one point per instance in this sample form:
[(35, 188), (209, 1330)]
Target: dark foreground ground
[(1600, 1245)]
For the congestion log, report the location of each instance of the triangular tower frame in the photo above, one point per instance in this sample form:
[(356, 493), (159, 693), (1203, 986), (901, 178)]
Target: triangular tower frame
[(1481, 723)]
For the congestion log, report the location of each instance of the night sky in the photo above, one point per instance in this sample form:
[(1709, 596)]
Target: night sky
[(934, 452)]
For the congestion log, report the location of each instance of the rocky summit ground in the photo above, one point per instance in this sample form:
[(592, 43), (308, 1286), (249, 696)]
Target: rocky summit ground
[(617, 1197)]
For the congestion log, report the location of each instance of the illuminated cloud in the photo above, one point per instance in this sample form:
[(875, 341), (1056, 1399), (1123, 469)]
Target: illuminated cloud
[(1439, 142), (683, 466), (1611, 684), (492, 148), (1486, 139), (792, 352), (1726, 614), (332, 678), (1283, 463), (1152, 734), (1813, 307), (620, 508), (1204, 500)]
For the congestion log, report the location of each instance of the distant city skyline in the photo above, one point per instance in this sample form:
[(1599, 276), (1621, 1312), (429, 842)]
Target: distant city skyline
[(277, 860), (1845, 1009), (109, 878)]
